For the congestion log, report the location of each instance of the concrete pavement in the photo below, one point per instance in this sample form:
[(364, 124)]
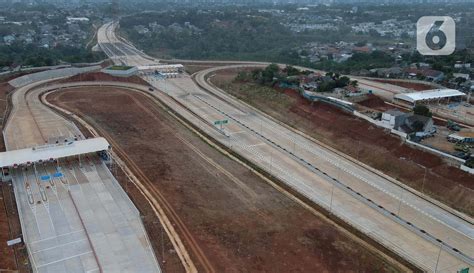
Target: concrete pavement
[(312, 170), (82, 221)]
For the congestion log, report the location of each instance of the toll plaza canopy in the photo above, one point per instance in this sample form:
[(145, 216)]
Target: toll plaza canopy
[(52, 151), (434, 94), (162, 67)]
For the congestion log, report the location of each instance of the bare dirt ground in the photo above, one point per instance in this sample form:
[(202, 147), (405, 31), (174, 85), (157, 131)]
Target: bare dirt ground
[(5, 89), (375, 103), (411, 85), (193, 68), (7, 260), (440, 141), (15, 257), (359, 139), (99, 76), (238, 221)]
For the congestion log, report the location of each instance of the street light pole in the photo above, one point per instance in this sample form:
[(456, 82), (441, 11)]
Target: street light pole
[(332, 196), (424, 179), (358, 151), (339, 170), (437, 260), (400, 204)]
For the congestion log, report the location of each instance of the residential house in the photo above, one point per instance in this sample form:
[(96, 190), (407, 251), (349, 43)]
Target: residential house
[(9, 39), (408, 122), (460, 65), (416, 123), (393, 118), (362, 49), (428, 74), (392, 72)]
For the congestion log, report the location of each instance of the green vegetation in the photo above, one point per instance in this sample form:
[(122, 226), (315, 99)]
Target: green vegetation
[(358, 61), (119, 67), (332, 81), (30, 55), (271, 75), (470, 162), (220, 35), (441, 63), (291, 77), (422, 110)]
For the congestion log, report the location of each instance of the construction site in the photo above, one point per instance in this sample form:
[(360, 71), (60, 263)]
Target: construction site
[(160, 170)]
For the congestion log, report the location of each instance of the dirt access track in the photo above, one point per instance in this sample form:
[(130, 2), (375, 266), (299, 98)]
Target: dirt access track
[(232, 220)]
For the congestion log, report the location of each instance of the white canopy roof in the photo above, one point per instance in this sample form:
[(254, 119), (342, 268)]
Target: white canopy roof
[(429, 95), (46, 152), (166, 67)]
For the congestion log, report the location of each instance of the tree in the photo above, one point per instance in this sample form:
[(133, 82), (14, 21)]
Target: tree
[(256, 74), (418, 126), (422, 110), (342, 81), (374, 33), (242, 76), (270, 72), (470, 162), (361, 43), (460, 80), (291, 70)]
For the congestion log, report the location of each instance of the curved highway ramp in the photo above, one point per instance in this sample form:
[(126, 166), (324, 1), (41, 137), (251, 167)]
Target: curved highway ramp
[(75, 217)]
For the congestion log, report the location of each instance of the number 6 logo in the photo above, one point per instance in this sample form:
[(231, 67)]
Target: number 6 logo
[(436, 35)]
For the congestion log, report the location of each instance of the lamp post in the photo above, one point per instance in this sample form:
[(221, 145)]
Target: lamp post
[(424, 179), (400, 204), (437, 260), (332, 196)]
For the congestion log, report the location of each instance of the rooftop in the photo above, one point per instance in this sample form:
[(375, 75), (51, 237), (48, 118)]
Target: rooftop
[(52, 151), (429, 95)]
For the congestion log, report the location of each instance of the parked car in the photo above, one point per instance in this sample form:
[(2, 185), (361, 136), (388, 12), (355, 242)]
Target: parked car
[(453, 126), (461, 148), (462, 155)]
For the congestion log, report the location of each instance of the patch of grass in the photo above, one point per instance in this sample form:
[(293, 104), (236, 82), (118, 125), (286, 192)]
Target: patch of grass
[(119, 67), (260, 95)]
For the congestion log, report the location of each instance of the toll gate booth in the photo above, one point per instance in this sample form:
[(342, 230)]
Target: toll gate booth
[(60, 149)]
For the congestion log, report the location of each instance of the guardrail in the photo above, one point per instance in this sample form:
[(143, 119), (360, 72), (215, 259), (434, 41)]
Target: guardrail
[(422, 233)]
